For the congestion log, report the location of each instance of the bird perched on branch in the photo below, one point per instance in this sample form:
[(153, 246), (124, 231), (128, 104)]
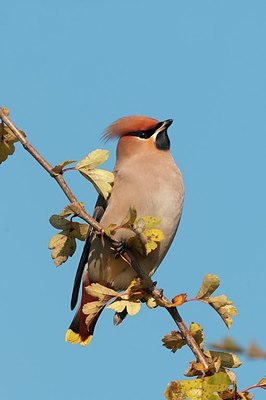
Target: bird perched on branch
[(147, 178)]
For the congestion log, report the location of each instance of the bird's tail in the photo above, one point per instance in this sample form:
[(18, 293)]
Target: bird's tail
[(79, 330)]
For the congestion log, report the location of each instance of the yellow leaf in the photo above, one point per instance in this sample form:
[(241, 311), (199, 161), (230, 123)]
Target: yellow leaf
[(197, 332), (92, 308), (59, 168), (72, 208), (94, 159), (224, 308), (102, 180), (151, 303), (150, 221), (133, 307), (150, 246), (198, 389), (62, 247), (118, 305), (228, 360), (100, 291)]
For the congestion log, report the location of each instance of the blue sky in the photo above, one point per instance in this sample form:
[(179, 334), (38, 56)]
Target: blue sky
[(68, 69)]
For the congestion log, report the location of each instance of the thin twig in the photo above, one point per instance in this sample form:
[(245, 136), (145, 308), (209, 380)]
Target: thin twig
[(127, 255)]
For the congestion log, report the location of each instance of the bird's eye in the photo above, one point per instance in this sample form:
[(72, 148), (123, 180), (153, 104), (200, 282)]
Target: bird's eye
[(142, 135)]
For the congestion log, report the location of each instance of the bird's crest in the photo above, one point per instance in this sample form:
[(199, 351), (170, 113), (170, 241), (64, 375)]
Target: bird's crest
[(129, 124)]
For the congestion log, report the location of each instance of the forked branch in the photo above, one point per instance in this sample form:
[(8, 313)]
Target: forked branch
[(127, 255)]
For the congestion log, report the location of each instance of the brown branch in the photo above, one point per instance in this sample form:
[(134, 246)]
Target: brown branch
[(127, 255)]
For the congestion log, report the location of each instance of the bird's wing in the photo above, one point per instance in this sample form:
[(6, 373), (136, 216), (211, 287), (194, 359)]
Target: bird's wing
[(99, 210)]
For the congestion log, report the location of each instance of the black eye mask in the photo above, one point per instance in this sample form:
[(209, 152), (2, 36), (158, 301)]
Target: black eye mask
[(145, 134)]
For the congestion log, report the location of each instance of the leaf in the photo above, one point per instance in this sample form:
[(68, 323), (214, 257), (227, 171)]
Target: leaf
[(262, 383), (59, 168), (59, 222), (100, 291), (224, 307), (179, 299), (151, 303), (198, 389), (209, 285), (227, 344), (228, 360), (7, 140), (109, 230), (195, 369), (5, 111), (173, 341), (100, 179), (245, 396), (118, 305), (79, 231), (254, 351), (92, 308), (62, 247), (94, 159), (130, 218), (197, 332), (133, 307), (72, 208), (150, 221)]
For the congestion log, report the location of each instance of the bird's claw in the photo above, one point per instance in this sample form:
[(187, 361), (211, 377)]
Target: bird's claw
[(119, 248)]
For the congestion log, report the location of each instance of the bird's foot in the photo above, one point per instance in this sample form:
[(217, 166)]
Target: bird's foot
[(119, 248)]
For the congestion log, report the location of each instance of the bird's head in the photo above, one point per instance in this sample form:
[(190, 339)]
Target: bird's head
[(138, 134)]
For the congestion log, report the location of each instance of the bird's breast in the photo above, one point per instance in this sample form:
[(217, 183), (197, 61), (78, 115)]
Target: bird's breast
[(154, 190)]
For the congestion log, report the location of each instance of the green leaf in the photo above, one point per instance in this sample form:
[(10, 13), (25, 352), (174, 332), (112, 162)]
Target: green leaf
[(94, 159), (228, 360), (209, 285), (198, 389), (59, 222)]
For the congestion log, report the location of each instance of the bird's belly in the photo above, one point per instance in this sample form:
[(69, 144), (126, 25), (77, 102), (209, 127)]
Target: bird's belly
[(165, 203)]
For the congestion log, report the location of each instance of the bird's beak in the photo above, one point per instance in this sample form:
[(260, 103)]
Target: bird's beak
[(167, 123), (164, 125)]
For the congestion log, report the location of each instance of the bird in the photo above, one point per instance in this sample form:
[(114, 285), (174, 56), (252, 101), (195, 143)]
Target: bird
[(145, 177)]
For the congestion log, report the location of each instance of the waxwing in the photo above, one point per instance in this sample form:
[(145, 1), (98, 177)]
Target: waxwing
[(147, 178)]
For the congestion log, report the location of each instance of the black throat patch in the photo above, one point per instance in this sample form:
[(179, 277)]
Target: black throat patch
[(162, 141)]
